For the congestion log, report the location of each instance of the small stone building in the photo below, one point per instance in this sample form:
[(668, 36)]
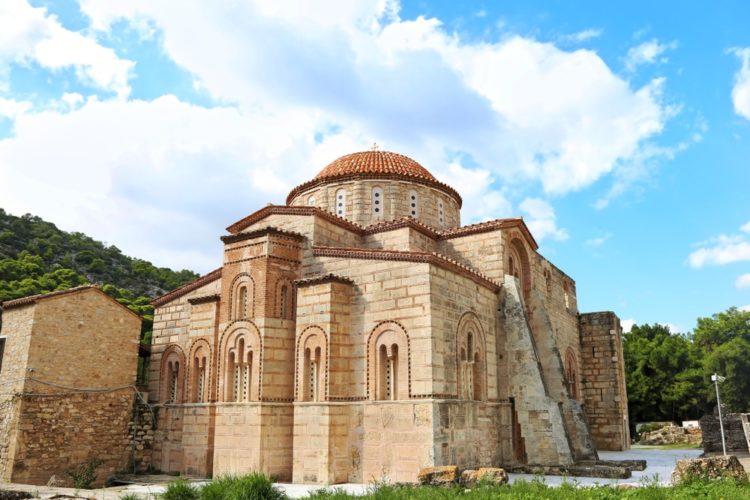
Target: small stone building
[(67, 368), (359, 332)]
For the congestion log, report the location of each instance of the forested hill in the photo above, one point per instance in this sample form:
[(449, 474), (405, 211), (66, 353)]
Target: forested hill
[(37, 257)]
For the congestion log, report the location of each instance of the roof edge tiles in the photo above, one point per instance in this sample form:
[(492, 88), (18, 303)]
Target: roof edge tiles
[(407, 256), (324, 278), (431, 182), (33, 299), (187, 288), (234, 238)]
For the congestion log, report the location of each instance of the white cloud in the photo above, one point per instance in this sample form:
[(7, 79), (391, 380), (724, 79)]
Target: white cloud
[(741, 89), (649, 52), (519, 111), (674, 328), (582, 36), (743, 281), (542, 219), (29, 34), (724, 249), (721, 250), (627, 325), (745, 308), (599, 240)]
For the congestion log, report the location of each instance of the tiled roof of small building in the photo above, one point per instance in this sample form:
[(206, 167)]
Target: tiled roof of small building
[(374, 162), (33, 299)]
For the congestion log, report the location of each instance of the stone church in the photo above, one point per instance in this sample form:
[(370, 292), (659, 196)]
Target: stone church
[(360, 332)]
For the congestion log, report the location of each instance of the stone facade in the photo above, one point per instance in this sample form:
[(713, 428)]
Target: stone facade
[(67, 378), (736, 431), (340, 344)]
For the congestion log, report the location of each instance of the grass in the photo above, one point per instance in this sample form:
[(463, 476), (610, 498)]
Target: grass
[(258, 487)]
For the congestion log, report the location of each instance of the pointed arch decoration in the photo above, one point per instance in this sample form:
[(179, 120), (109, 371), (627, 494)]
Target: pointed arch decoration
[(311, 380), (172, 375), (471, 358), (240, 363), (199, 372), (388, 362), (242, 297)]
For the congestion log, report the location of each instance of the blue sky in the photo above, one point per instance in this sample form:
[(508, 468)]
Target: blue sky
[(620, 132)]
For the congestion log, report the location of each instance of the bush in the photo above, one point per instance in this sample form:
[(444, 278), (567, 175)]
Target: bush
[(180, 490), (84, 475), (250, 487)]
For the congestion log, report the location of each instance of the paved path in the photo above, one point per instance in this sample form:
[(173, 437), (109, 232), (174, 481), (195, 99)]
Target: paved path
[(661, 463)]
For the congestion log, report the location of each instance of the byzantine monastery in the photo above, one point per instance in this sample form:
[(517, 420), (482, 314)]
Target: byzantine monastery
[(360, 332)]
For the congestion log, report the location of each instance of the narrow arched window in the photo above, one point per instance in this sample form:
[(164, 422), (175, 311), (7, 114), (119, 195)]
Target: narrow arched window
[(202, 381), (242, 303), (283, 303), (548, 280), (174, 372), (377, 203), (413, 203), (393, 369), (476, 377), (198, 378), (340, 202), (385, 373), (311, 201), (441, 213), (566, 294)]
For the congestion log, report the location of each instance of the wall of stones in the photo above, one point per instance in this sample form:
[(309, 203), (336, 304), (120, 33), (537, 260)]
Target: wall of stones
[(603, 380), (734, 433), (85, 325), (396, 203), (17, 327), (60, 432)]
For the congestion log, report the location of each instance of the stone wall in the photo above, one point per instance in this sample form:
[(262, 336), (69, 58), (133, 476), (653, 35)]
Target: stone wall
[(396, 202), (58, 433), (603, 380), (734, 433)]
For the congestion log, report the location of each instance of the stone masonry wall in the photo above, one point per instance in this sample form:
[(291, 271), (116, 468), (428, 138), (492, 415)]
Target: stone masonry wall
[(61, 432), (734, 433), (603, 380), (396, 202)]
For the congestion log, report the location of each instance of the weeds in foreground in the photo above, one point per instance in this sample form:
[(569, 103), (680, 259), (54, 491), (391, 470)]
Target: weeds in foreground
[(248, 487), (84, 475)]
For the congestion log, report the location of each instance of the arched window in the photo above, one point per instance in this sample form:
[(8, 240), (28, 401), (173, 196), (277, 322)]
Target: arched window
[(199, 375), (340, 202), (548, 280), (571, 373), (441, 213), (172, 375), (470, 359), (311, 365), (413, 203), (566, 295), (242, 303), (242, 299), (378, 203), (388, 362), (388, 367), (311, 201), (241, 369)]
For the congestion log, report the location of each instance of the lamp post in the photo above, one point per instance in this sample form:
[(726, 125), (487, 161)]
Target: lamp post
[(715, 378)]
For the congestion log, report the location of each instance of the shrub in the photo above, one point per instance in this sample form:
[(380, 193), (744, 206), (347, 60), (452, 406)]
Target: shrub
[(250, 487), (85, 474), (180, 490)]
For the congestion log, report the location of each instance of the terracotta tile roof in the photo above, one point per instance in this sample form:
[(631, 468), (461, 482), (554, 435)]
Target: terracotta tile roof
[(375, 165), (323, 278), (204, 299), (374, 162), (384, 226), (33, 299), (179, 292), (407, 256)]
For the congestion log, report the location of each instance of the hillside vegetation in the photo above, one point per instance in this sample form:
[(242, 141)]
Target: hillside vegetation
[(37, 257)]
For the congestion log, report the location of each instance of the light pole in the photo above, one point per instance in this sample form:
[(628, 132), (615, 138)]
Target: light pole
[(715, 378)]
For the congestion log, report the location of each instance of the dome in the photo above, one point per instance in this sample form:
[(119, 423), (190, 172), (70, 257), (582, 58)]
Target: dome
[(374, 162)]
